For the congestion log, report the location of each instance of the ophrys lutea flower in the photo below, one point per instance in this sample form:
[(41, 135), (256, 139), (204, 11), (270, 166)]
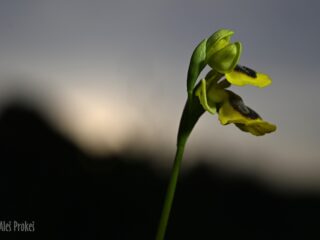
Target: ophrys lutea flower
[(211, 95), (214, 97), (223, 57)]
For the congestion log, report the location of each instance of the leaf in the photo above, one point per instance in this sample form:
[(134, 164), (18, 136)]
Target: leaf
[(197, 64)]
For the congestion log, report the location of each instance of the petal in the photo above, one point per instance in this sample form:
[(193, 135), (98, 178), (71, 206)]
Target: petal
[(227, 115), (257, 128), (201, 92), (241, 76), (233, 110), (226, 59)]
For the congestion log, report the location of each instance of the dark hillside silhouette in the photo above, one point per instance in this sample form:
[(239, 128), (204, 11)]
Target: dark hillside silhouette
[(45, 178)]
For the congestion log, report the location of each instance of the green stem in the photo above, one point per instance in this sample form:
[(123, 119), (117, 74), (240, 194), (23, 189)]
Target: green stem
[(171, 190), (191, 113)]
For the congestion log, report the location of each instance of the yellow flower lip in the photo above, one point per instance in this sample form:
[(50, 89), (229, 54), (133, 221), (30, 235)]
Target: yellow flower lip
[(258, 128), (237, 103), (233, 110), (242, 75)]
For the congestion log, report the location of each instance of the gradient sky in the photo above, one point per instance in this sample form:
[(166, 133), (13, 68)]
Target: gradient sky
[(112, 73)]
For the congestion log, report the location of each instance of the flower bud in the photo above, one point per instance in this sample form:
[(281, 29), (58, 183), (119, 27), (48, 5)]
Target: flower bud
[(217, 41), (225, 60)]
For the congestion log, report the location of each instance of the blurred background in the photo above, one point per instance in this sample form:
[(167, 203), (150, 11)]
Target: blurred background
[(91, 94)]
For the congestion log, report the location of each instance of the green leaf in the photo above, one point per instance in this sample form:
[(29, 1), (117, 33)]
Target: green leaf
[(197, 64)]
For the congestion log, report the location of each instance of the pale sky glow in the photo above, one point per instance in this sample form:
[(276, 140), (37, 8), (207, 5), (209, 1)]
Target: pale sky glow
[(112, 73)]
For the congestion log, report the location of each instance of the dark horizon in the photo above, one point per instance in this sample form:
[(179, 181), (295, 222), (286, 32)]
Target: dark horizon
[(47, 179)]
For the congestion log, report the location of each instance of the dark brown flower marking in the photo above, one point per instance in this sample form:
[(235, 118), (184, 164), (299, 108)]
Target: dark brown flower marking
[(245, 70), (238, 104)]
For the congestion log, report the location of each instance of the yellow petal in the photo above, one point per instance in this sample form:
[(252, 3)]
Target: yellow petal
[(201, 92), (241, 76), (233, 110), (227, 115), (258, 127)]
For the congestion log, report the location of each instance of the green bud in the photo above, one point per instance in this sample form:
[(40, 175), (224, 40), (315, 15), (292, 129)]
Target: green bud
[(217, 41), (225, 60)]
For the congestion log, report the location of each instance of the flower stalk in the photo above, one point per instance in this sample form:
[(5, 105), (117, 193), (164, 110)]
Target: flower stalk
[(171, 191), (191, 113)]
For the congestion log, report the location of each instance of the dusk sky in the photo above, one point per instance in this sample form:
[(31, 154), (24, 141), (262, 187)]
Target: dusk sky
[(112, 73)]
